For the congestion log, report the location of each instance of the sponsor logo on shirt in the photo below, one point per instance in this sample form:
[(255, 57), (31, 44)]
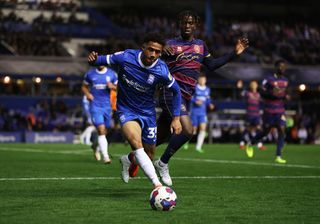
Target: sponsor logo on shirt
[(134, 84)]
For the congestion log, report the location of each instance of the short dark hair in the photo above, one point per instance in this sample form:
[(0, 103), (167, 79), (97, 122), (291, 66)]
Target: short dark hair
[(187, 13), (154, 37), (278, 62)]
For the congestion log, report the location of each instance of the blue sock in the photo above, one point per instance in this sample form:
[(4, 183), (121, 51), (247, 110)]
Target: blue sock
[(280, 144), (175, 143)]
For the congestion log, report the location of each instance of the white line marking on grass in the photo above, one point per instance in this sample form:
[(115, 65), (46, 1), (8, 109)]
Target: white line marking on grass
[(246, 163), (142, 178), (87, 151), (77, 152)]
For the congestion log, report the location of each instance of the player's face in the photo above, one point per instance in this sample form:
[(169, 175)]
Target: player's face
[(281, 68), (253, 85), (202, 80), (187, 27), (151, 52)]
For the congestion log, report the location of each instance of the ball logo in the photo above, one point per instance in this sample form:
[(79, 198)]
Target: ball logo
[(196, 49)]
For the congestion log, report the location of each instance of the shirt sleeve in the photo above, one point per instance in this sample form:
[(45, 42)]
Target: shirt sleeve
[(87, 79), (110, 59), (114, 78)]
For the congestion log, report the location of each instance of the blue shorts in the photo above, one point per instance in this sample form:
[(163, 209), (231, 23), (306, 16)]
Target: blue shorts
[(198, 119), (165, 102), (253, 120), (273, 120), (148, 125), (100, 116)]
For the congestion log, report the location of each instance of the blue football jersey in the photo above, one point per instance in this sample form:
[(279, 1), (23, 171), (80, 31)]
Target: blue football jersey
[(97, 81), (202, 93), (137, 82)]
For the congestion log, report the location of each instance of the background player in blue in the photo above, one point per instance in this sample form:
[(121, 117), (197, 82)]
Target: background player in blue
[(85, 137), (186, 55), (140, 74), (274, 94), (96, 86), (199, 103), (253, 116)]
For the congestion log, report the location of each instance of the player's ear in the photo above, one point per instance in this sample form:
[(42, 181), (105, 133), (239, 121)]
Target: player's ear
[(143, 47)]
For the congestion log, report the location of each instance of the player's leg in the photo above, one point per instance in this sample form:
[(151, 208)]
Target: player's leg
[(103, 143), (202, 133), (267, 125), (133, 133), (163, 128), (281, 138), (176, 141)]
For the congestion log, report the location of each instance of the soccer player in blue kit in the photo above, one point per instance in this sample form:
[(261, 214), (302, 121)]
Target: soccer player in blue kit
[(96, 86), (184, 56), (141, 73), (274, 94), (199, 102)]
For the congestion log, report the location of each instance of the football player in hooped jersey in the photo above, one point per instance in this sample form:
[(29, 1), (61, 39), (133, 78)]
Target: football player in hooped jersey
[(199, 103), (140, 73), (97, 85), (274, 94), (253, 117), (185, 56)]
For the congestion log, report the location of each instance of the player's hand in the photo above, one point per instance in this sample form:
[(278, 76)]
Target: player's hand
[(175, 126), (92, 57), (211, 106), (168, 50), (241, 45), (199, 102), (90, 97)]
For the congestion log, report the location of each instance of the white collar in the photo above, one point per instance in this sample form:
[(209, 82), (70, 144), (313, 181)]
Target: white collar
[(201, 87), (104, 70), (142, 65)]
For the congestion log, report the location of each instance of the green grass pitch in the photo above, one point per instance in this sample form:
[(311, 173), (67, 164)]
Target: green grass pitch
[(51, 183)]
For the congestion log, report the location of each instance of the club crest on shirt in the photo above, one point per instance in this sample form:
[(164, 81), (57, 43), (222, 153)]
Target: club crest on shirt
[(196, 49), (183, 108), (179, 49), (150, 79)]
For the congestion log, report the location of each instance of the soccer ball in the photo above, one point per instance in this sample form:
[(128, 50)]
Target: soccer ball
[(163, 199)]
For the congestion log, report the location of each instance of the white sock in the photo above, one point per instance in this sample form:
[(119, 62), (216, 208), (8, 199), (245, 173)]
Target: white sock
[(103, 145), (146, 165), (200, 139), (86, 135)]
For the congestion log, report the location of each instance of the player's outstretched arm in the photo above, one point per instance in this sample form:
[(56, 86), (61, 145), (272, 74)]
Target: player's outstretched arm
[(215, 63)]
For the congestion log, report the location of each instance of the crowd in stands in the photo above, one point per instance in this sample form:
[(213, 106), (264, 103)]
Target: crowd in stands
[(296, 42), (45, 116), (64, 5)]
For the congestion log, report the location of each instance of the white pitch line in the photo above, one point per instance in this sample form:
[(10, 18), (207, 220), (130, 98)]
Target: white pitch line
[(140, 178), (85, 151), (246, 163)]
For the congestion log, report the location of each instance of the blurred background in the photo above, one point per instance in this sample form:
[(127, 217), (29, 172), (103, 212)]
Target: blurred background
[(44, 44)]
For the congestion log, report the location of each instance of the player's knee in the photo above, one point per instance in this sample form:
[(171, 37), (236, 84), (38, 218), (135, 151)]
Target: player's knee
[(134, 142), (188, 132)]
